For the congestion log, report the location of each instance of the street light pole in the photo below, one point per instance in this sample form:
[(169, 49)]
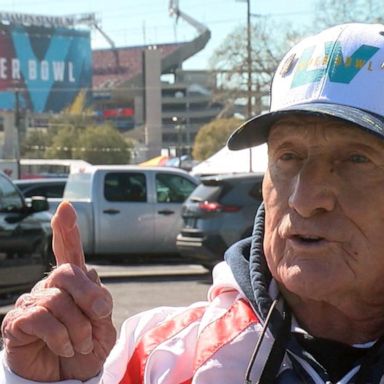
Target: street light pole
[(179, 128), (249, 59)]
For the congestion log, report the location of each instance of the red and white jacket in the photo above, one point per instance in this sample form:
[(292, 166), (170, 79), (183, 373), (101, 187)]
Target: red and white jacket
[(207, 342)]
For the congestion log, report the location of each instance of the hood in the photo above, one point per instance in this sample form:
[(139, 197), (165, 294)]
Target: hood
[(247, 262), (249, 267)]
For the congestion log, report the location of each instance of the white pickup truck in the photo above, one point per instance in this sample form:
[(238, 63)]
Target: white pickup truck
[(126, 210)]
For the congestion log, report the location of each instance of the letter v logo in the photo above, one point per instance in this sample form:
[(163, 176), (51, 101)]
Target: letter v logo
[(338, 71), (57, 51)]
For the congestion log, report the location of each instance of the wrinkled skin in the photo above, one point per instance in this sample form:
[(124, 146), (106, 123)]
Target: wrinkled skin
[(62, 329), (324, 235)]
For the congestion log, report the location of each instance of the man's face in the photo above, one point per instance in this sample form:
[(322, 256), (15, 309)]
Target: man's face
[(324, 201)]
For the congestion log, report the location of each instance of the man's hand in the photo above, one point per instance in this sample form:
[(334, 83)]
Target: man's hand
[(63, 328)]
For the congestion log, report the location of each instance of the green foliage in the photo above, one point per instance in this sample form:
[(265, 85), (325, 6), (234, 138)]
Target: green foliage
[(34, 144), (103, 144), (62, 144), (213, 136), (97, 144)]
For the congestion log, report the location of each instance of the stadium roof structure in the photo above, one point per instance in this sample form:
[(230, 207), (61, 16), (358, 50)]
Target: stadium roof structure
[(106, 74), (115, 67)]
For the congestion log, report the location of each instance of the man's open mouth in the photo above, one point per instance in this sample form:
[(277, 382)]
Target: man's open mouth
[(307, 239)]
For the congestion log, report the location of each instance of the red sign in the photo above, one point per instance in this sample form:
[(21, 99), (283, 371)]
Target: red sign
[(118, 112)]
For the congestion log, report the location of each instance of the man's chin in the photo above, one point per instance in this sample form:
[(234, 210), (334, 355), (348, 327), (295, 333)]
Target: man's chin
[(309, 284)]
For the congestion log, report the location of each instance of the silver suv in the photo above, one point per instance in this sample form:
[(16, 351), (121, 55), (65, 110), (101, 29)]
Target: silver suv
[(219, 212)]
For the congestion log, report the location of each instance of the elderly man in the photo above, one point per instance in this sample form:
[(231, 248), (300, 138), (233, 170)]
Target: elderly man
[(300, 302)]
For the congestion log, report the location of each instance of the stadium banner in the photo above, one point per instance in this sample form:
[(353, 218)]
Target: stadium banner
[(45, 68)]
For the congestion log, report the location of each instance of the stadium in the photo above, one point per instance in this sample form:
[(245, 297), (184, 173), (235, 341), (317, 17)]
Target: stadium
[(47, 67)]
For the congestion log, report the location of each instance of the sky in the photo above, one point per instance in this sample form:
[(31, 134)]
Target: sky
[(131, 23)]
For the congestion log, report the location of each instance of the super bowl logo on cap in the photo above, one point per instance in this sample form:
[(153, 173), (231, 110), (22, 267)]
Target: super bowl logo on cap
[(331, 63), (288, 65)]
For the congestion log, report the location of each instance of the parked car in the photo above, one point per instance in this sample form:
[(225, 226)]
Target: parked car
[(25, 238), (129, 210), (51, 188), (219, 212)]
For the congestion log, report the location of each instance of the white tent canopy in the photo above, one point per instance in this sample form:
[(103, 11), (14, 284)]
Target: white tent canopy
[(227, 161)]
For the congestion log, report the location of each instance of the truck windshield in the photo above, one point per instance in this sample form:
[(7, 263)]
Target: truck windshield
[(78, 186)]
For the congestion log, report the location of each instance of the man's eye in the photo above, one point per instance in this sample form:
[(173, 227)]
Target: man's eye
[(288, 156), (357, 158)]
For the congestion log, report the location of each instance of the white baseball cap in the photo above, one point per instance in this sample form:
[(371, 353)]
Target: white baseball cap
[(337, 73)]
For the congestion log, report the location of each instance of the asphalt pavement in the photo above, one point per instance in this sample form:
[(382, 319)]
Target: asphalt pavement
[(120, 271), (134, 272)]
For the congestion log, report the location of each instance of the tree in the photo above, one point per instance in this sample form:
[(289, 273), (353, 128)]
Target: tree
[(97, 144), (56, 140), (329, 12), (270, 41), (35, 144), (62, 144), (103, 144), (213, 136)]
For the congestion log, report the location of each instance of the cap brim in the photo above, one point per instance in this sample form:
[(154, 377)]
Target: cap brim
[(255, 131)]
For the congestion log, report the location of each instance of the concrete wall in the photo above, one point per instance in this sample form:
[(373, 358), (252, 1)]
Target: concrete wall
[(9, 147), (152, 102)]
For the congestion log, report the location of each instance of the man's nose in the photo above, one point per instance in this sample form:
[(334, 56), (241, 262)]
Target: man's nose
[(314, 188)]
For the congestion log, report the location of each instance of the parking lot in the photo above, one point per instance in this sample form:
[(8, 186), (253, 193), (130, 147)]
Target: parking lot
[(136, 288)]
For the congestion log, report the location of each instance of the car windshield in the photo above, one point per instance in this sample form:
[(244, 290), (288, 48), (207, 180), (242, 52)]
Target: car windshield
[(9, 197), (49, 190)]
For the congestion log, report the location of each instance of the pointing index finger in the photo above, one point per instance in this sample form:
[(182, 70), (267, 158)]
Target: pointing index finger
[(66, 242)]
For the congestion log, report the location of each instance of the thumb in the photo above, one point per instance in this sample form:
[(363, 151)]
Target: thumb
[(66, 241)]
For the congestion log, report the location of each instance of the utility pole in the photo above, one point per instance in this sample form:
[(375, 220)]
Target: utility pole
[(249, 71), (17, 127), (249, 61)]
